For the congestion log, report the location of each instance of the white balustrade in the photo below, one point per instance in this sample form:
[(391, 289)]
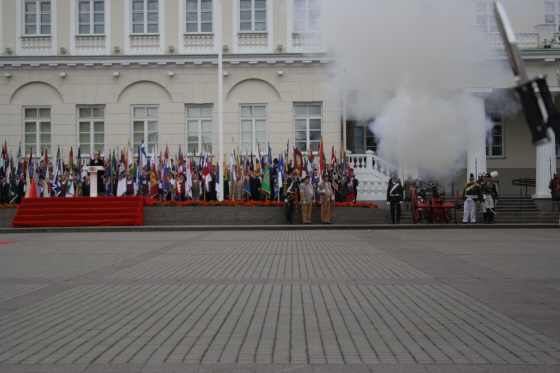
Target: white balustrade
[(524, 40), (85, 44), (373, 174), (144, 42), (199, 42), (36, 44), (252, 41), (306, 42)]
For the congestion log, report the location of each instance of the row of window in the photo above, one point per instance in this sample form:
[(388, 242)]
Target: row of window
[(485, 14), (145, 16), (199, 127)]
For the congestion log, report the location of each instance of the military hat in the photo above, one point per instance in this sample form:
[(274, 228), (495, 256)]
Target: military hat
[(275, 160), (305, 178), (487, 175), (471, 177)]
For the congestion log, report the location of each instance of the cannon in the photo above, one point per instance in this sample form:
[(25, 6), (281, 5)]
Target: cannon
[(434, 209)]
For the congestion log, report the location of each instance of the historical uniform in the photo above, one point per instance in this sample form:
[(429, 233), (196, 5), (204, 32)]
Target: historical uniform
[(306, 197), (395, 198), (554, 187), (490, 196), (471, 196), (409, 186), (326, 197), (289, 188), (421, 193)]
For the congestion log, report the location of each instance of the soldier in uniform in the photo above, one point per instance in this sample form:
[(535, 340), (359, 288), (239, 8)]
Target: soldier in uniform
[(306, 198), (395, 198), (471, 197), (289, 187), (409, 185), (554, 187), (490, 195), (421, 193), (326, 194)]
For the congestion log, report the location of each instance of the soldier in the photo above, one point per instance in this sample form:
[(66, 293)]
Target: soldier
[(325, 191), (554, 187), (306, 197), (289, 187), (421, 193), (409, 186), (471, 193), (490, 195), (395, 198)]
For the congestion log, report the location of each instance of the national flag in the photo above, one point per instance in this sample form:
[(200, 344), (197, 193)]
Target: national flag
[(70, 189), (322, 167), (165, 182), (142, 154), (334, 161), (280, 173), (266, 182)]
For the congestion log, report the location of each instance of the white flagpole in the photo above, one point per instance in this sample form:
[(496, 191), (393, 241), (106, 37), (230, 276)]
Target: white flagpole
[(220, 103)]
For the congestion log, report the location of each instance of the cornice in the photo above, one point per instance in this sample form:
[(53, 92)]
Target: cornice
[(100, 62)]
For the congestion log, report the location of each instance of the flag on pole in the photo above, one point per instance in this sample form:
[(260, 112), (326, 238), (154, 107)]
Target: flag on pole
[(109, 185), (298, 160), (322, 167), (334, 161), (266, 182)]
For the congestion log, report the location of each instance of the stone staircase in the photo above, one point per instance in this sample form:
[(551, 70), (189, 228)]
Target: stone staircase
[(511, 210)]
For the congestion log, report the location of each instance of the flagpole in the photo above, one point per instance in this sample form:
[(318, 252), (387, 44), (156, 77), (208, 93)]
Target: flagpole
[(220, 103)]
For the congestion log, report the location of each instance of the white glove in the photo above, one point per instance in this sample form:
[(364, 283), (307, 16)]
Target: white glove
[(332, 198), (303, 202), (400, 203), (286, 200), (388, 203), (323, 190)]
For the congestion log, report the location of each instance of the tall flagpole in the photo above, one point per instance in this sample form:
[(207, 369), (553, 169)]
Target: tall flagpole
[(220, 102)]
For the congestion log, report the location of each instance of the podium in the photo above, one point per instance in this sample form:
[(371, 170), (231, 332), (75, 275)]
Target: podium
[(93, 170)]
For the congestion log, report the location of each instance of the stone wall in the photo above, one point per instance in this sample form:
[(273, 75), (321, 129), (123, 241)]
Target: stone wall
[(7, 217)]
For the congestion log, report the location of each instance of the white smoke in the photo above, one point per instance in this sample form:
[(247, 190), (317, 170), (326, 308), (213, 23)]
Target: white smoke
[(412, 59)]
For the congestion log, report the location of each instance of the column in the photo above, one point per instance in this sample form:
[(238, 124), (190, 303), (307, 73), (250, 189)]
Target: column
[(546, 165), (476, 142)]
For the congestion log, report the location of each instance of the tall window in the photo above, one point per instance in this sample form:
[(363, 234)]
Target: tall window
[(552, 12), (37, 130), (145, 17), (252, 16), (199, 129), (91, 129), (306, 15), (495, 137), (253, 128), (364, 140), (199, 16), (37, 18), (308, 125), (91, 17), (145, 126), (485, 16)]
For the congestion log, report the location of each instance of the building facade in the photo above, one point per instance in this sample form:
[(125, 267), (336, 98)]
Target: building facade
[(99, 74)]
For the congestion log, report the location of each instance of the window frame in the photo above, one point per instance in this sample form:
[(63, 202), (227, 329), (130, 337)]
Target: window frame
[(92, 13), (91, 120), (489, 23), (38, 120), (307, 29), (199, 119), (364, 144), (490, 135), (555, 13), (199, 22), (145, 17), (253, 17), (38, 24), (253, 118), (145, 133), (307, 117)]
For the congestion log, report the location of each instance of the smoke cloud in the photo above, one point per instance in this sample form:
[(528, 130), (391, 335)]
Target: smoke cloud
[(407, 62)]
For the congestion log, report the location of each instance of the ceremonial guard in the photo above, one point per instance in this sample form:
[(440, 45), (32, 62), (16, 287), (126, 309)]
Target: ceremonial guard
[(326, 194), (395, 198), (490, 197), (554, 187), (409, 186), (306, 197), (289, 187), (421, 193), (238, 194), (471, 197)]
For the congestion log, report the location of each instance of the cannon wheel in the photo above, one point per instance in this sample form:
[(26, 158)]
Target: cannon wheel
[(414, 208), (456, 205)]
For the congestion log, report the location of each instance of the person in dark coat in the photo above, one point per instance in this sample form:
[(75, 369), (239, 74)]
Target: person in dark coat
[(96, 161), (20, 185), (395, 194), (86, 187), (255, 184), (4, 190)]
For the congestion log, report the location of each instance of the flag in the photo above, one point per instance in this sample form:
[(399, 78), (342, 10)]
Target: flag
[(269, 154), (19, 160), (121, 178), (298, 160), (79, 164), (70, 161), (266, 182), (70, 189), (109, 185), (165, 182), (334, 161), (322, 167), (311, 156), (258, 167), (154, 185), (280, 173), (142, 154), (57, 174)]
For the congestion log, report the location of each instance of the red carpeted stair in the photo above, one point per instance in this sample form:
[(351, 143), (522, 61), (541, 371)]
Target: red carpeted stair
[(79, 212)]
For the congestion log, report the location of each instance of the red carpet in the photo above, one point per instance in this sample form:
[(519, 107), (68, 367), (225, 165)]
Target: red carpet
[(79, 212)]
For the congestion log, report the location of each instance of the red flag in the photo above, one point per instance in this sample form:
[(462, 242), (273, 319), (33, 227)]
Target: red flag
[(298, 160), (333, 159), (311, 156), (322, 167), (32, 189), (154, 182)]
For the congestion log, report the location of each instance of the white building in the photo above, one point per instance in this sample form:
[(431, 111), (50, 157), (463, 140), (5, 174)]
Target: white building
[(97, 74)]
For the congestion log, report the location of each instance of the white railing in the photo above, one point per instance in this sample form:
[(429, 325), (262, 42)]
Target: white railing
[(36, 44), (373, 174), (252, 41), (144, 42), (306, 42), (198, 42), (524, 40), (86, 44)]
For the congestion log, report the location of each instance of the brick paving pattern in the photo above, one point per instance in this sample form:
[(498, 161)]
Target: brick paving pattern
[(267, 301)]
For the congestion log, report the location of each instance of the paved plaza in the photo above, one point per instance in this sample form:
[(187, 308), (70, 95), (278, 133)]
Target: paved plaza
[(281, 301)]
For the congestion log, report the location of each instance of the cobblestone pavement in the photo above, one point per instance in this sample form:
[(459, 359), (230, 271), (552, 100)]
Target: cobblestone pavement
[(281, 301)]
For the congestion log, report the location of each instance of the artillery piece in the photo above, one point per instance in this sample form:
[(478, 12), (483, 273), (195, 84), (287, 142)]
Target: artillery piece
[(434, 209)]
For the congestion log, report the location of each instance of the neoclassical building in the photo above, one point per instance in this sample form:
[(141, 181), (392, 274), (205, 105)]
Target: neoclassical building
[(215, 75)]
